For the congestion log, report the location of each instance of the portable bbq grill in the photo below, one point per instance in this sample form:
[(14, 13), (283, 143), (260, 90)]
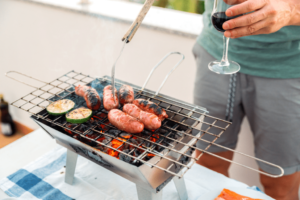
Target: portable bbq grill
[(150, 159)]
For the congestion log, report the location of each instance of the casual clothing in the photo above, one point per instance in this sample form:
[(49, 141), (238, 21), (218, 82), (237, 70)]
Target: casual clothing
[(275, 55), (271, 105)]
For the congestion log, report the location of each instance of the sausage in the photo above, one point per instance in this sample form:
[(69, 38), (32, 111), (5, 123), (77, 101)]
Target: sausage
[(151, 107), (126, 94), (108, 99), (125, 122), (151, 121), (90, 96)]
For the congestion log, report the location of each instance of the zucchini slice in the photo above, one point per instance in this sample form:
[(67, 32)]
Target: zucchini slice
[(60, 107), (79, 115)]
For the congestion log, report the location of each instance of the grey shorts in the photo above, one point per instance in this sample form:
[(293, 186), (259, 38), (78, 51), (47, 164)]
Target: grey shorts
[(272, 107)]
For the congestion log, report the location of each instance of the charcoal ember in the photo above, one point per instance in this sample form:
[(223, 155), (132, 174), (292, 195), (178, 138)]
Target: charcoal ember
[(124, 157), (136, 141), (160, 140), (137, 153), (125, 135), (86, 141), (128, 146), (102, 148), (92, 143), (147, 133), (106, 141), (78, 137), (147, 144), (159, 148), (69, 125), (92, 134), (83, 127), (174, 136), (92, 122), (114, 132), (61, 120), (163, 131), (100, 114)]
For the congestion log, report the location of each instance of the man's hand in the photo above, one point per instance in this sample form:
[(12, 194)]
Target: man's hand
[(268, 17)]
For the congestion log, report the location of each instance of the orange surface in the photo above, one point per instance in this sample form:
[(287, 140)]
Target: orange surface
[(4, 140), (230, 195)]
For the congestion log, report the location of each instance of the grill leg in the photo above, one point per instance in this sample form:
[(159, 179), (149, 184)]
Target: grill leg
[(146, 195), (70, 166), (181, 188)]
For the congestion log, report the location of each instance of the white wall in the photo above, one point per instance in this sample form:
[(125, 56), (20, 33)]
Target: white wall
[(47, 42)]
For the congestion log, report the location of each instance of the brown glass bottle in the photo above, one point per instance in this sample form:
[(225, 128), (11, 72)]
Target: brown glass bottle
[(7, 125)]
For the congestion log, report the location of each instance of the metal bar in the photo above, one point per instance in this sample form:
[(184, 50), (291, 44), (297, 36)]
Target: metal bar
[(70, 166), (181, 188), (170, 72)]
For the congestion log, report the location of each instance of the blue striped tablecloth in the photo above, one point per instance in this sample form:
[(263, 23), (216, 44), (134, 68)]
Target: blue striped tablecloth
[(44, 179)]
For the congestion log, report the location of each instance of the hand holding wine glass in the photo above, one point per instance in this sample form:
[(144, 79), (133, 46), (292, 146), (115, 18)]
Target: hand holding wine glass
[(218, 18), (264, 17)]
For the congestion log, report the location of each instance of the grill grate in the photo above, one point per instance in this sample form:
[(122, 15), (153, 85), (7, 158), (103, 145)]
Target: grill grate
[(185, 120)]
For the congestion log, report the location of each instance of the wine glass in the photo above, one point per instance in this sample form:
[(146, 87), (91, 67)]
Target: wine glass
[(218, 18)]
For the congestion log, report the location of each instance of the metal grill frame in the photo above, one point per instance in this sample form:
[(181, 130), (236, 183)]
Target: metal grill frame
[(79, 78)]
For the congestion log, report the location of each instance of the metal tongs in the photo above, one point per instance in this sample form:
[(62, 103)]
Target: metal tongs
[(128, 37)]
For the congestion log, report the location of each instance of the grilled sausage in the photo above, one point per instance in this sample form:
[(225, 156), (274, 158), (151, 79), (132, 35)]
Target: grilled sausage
[(125, 122), (151, 107), (151, 121), (108, 99), (90, 96), (126, 94)]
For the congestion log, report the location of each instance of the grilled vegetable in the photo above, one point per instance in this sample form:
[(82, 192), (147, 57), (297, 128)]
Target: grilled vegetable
[(79, 115), (60, 107)]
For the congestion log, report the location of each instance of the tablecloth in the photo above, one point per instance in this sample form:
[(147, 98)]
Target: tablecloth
[(44, 179)]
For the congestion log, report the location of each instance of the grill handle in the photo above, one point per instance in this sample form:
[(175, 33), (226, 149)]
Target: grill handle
[(170, 72), (15, 72), (138, 21)]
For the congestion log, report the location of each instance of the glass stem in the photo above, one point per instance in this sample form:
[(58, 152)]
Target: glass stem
[(224, 61)]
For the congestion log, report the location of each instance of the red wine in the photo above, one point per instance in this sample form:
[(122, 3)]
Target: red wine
[(219, 18)]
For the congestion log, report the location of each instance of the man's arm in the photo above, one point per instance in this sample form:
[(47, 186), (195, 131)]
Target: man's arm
[(268, 16)]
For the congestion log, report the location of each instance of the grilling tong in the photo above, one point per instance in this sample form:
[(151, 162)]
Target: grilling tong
[(128, 37)]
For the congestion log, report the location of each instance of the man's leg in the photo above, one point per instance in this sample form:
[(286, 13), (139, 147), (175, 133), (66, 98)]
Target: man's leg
[(216, 164), (283, 188), (273, 110)]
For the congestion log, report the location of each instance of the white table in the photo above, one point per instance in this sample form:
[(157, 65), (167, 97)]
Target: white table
[(32, 146)]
